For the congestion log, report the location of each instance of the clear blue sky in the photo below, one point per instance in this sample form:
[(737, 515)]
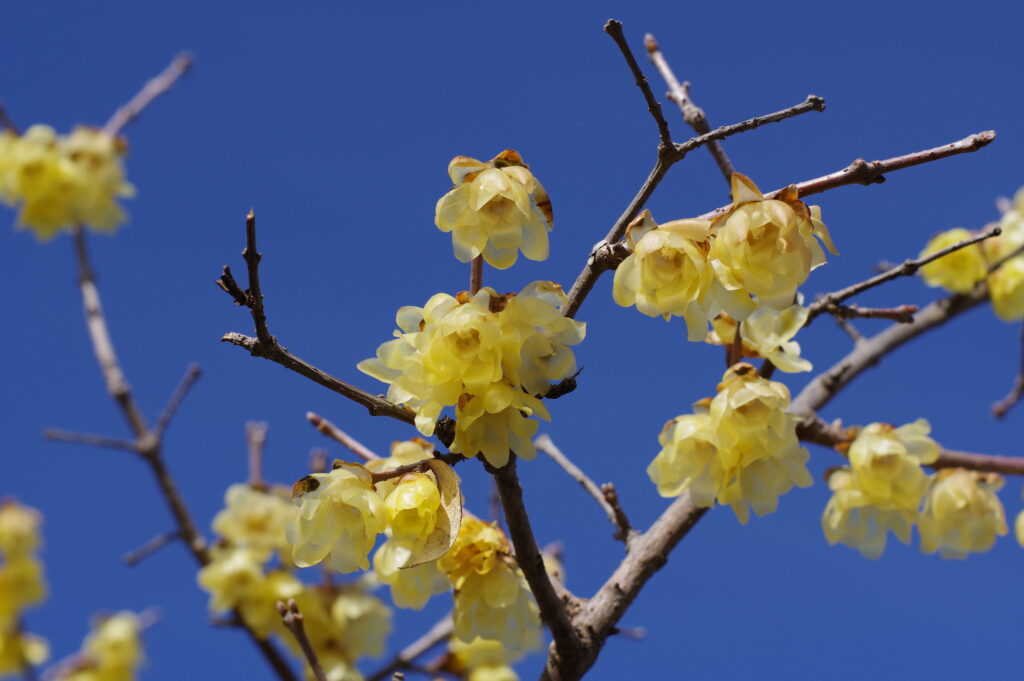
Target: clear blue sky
[(336, 125)]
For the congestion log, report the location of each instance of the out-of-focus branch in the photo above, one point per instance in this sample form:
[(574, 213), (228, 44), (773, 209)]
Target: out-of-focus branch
[(341, 437), (148, 442), (58, 435), (150, 547), (437, 634), (256, 442), (618, 520), (1004, 405), (6, 122), (191, 376), (567, 647), (692, 114), (153, 88), (907, 268)]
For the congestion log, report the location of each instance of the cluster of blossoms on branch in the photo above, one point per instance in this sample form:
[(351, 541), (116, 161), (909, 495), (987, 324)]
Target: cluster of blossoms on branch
[(885, 489), (59, 181), (756, 254), (960, 271)]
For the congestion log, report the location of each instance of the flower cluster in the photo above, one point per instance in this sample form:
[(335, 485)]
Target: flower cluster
[(962, 269), (111, 652), (480, 660), (61, 181), (21, 586), (492, 599), (740, 448), (495, 210), (885, 489), (695, 268), (490, 356)]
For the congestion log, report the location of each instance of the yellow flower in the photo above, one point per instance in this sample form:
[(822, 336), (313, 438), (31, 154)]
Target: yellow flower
[(19, 529), (477, 550), (234, 577), (496, 209), (340, 516), (21, 585), (883, 488), (961, 513), (364, 622), (743, 451), (115, 647), (765, 247), (668, 272), (412, 507), (411, 587), (480, 660), (766, 333), (1012, 237), (254, 518), (63, 181), (1006, 285), (17, 648), (958, 271), (488, 356), (1018, 527)]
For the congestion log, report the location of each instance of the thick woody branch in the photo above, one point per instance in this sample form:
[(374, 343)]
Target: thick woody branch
[(906, 269), (552, 609), (1004, 405), (437, 634), (692, 114), (153, 88), (617, 519)]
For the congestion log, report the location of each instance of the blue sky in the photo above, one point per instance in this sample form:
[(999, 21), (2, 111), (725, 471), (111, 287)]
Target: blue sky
[(336, 123)]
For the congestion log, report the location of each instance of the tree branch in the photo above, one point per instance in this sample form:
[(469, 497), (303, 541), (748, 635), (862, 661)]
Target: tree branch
[(614, 29), (89, 439), (552, 610), (692, 114), (1000, 408), (341, 437), (623, 529), (191, 376), (255, 441), (293, 622), (437, 634), (6, 122), (904, 314), (153, 88), (909, 267), (150, 547)]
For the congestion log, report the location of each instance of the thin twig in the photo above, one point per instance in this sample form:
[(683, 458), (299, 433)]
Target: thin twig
[(150, 547), (873, 172), (341, 437), (546, 445), (415, 467), (692, 114), (850, 330), (191, 376), (607, 254), (153, 88), (907, 268), (89, 439), (531, 562), (904, 314), (734, 353), (476, 274), (1000, 408), (611, 495), (293, 621), (614, 29), (256, 440), (6, 122), (436, 635)]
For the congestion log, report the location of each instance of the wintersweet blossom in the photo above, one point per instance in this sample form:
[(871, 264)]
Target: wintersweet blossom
[(363, 622), (1006, 286), (21, 586), (480, 660), (17, 648), (961, 513), (411, 587), (254, 518), (766, 333), (492, 600), (743, 451), (487, 355), (668, 272), (19, 529), (115, 647), (958, 271), (60, 181), (882, 489), (765, 247), (340, 516), (496, 209)]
